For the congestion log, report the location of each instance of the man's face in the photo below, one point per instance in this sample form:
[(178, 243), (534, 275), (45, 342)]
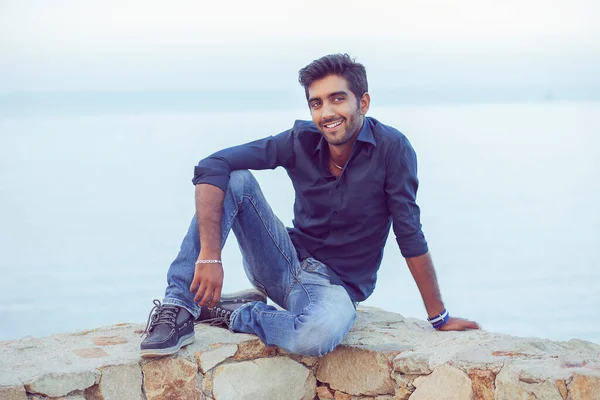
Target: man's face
[(335, 110)]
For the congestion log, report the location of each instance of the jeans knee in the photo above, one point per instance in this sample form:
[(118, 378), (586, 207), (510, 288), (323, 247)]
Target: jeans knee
[(239, 180), (315, 342), (318, 338)]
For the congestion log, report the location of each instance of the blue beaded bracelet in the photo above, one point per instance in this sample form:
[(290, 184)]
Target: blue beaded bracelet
[(439, 320)]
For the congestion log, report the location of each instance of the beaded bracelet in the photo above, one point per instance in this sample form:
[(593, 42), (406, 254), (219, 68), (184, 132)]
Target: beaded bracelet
[(439, 320)]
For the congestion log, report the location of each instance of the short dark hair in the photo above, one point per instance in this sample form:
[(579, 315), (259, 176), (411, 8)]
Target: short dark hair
[(336, 64)]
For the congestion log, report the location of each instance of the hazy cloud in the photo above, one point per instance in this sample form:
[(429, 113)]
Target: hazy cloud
[(134, 44)]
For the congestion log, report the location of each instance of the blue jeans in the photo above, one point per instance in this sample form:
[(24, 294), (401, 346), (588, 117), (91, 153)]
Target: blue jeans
[(316, 314)]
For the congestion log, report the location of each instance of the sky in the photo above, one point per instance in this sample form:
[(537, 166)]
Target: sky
[(145, 45)]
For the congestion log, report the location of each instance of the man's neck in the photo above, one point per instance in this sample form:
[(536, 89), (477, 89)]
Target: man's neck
[(341, 154)]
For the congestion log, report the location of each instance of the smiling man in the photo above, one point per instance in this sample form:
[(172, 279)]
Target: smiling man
[(353, 177)]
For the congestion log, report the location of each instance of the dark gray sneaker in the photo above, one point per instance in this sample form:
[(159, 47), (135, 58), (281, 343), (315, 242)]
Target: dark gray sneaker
[(244, 296), (168, 330), (220, 315)]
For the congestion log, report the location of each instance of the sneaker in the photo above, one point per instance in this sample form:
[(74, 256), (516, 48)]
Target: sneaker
[(220, 315), (244, 296), (168, 330)]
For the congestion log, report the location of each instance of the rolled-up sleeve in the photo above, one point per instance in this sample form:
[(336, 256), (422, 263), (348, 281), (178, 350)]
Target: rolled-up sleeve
[(268, 153), (401, 190)]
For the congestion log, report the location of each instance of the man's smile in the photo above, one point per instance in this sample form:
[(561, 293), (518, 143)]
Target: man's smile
[(331, 126)]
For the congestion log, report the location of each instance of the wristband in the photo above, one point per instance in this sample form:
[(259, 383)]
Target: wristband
[(439, 320), (208, 262)]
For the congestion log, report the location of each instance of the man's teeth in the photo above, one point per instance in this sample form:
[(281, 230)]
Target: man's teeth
[(333, 125)]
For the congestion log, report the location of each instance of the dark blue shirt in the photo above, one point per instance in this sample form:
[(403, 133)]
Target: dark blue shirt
[(343, 222)]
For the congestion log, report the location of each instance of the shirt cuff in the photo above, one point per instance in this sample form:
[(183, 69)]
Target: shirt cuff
[(413, 247), (221, 181)]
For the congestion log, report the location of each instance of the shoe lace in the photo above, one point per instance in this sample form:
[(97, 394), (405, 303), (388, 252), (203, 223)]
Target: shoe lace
[(218, 317), (160, 314)]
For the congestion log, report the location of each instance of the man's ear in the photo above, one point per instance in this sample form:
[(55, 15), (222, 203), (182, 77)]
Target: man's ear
[(365, 102)]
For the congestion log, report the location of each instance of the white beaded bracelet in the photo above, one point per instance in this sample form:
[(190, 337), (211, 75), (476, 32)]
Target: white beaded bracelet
[(208, 262)]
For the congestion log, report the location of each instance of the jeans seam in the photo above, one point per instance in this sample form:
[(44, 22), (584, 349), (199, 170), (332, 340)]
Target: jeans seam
[(267, 229), (289, 290), (262, 219), (310, 300), (229, 225), (277, 313), (297, 281)]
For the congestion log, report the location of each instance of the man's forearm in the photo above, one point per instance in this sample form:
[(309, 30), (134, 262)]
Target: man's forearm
[(423, 273), (209, 208)]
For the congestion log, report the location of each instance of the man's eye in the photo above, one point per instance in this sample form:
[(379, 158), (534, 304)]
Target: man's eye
[(314, 104), (339, 99)]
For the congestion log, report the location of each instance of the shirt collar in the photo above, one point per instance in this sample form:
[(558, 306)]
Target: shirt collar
[(365, 135)]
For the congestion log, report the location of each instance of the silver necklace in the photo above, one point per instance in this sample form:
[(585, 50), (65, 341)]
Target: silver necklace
[(336, 165)]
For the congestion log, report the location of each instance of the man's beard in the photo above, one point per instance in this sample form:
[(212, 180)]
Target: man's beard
[(352, 128)]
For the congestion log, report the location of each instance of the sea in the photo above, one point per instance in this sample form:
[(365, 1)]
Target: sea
[(94, 204)]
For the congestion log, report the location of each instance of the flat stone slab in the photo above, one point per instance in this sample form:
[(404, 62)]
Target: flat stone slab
[(264, 379), (391, 356)]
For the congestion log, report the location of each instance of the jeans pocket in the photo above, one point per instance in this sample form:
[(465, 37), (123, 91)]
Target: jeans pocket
[(315, 267), (310, 265)]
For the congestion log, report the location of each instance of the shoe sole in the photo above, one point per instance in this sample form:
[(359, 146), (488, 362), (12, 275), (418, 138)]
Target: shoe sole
[(248, 295), (183, 341)]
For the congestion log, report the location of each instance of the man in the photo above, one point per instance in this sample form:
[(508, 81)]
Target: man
[(354, 178)]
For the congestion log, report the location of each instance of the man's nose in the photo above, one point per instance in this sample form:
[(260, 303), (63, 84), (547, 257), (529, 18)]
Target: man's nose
[(327, 111)]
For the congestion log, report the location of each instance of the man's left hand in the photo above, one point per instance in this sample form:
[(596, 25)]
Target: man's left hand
[(458, 324)]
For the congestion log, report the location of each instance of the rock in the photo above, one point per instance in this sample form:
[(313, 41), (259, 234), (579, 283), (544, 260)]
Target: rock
[(12, 393), (94, 352), (584, 388), (117, 382), (512, 354), (207, 335), (309, 361), (208, 359), (562, 388), (522, 379), (444, 383), (483, 384), (171, 378), (404, 386), (206, 385), (61, 384), (72, 396), (109, 340), (263, 379), (543, 390), (356, 371), (412, 363), (382, 358), (323, 392), (342, 396), (251, 349)]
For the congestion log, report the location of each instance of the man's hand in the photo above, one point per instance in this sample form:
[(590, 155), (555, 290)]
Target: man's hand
[(458, 324), (207, 284), (422, 270)]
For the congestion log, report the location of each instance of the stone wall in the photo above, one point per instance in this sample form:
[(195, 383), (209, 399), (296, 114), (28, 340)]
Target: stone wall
[(385, 357)]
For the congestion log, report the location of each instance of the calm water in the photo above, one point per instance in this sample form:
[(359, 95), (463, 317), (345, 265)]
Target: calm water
[(93, 208)]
